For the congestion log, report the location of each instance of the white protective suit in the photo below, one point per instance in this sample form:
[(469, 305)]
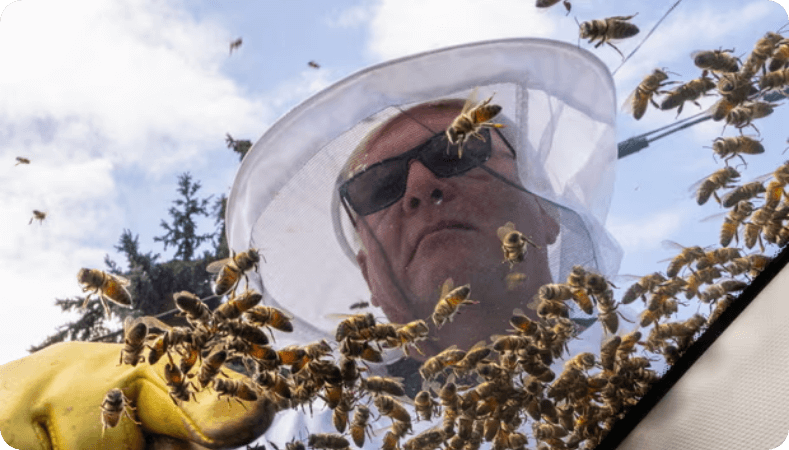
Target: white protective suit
[(558, 102)]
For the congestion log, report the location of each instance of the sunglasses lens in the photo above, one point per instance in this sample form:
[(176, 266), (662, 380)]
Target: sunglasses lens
[(443, 160), (377, 187)]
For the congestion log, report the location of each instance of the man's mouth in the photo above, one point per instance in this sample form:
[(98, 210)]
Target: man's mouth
[(438, 227)]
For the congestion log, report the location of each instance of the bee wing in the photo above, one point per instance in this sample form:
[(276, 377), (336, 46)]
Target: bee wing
[(446, 287), (471, 101), (155, 326), (505, 230), (479, 344), (671, 245), (217, 266), (120, 280), (716, 217), (518, 312), (627, 106)]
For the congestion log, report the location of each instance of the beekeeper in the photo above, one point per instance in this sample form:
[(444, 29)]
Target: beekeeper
[(352, 196)]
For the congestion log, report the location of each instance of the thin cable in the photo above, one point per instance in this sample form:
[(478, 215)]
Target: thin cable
[(645, 37)]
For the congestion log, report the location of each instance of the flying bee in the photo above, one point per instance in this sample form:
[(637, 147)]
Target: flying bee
[(192, 307), (211, 367), (233, 46), (314, 65), (686, 257), (329, 441), (382, 385), (688, 92), (745, 192), (352, 326), (608, 29), (716, 60), (722, 108), (21, 160), (360, 305), (231, 269), (474, 355), (743, 115), (114, 406), (638, 100), (513, 243), (696, 279), (774, 80), (236, 305), (472, 119), (729, 147), (780, 56), (645, 284), (425, 406), (268, 316), (179, 387), (107, 286), (450, 301), (134, 335), (38, 215), (389, 407), (549, 3), (234, 388), (448, 357), (360, 426), (524, 324), (719, 179)]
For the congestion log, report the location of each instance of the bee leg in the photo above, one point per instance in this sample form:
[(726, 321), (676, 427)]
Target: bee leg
[(614, 47), (567, 6), (105, 305)]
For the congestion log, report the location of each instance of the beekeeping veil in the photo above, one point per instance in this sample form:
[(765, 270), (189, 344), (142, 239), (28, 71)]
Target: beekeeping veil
[(558, 101)]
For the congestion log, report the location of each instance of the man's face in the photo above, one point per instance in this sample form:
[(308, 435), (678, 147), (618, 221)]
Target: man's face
[(446, 228)]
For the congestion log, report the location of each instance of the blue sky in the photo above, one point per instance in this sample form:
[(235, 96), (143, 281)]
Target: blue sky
[(113, 100)]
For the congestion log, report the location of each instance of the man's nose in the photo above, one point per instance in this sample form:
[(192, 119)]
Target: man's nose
[(424, 188)]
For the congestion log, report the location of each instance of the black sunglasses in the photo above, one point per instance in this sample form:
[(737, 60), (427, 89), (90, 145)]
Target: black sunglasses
[(384, 183)]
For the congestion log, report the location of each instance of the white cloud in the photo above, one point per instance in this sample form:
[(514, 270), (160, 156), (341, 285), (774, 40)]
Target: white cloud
[(351, 17)]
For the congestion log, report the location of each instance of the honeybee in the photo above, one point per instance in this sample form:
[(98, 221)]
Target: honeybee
[(608, 29), (582, 361), (389, 407), (234, 388), (425, 406), (729, 147), (549, 3), (341, 407), (231, 269), (645, 284), (179, 387), (558, 292), (753, 264), (314, 65), (329, 441), (359, 349), (523, 324), (474, 355), (245, 332), (114, 406), (380, 385), (718, 256), (774, 80), (608, 352), (718, 290), (38, 215), (169, 338), (448, 357), (762, 50), (192, 307), (352, 326), (721, 108), (21, 160), (450, 301), (359, 305), (733, 220), (719, 179), (716, 60), (745, 192), (696, 279), (752, 234), (472, 119), (275, 383), (268, 316), (236, 305), (211, 367), (107, 286), (720, 307), (543, 431), (513, 243), (409, 334), (688, 92), (426, 440), (134, 336), (608, 315), (638, 100), (742, 115), (360, 426), (780, 56), (233, 46), (686, 257)]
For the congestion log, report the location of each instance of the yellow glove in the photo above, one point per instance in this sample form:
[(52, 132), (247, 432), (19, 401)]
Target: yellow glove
[(52, 400)]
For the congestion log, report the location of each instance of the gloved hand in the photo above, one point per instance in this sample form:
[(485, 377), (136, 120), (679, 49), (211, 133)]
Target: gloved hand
[(52, 400)]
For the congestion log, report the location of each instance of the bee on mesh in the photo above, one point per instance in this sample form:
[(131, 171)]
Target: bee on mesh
[(472, 119)]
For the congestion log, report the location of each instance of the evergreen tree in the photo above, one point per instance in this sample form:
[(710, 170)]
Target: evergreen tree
[(241, 146), (181, 234)]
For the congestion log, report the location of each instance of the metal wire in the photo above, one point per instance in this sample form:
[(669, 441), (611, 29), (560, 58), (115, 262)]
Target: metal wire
[(646, 37)]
